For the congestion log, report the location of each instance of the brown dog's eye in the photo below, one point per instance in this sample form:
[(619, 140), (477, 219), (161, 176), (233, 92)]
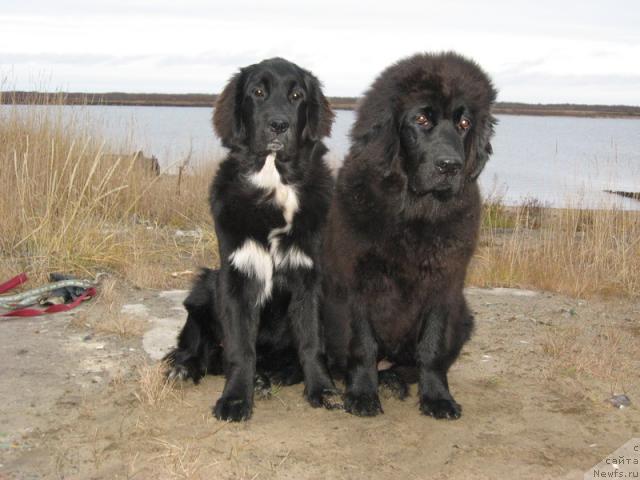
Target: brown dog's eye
[(422, 119), (296, 96), (258, 92), (464, 123)]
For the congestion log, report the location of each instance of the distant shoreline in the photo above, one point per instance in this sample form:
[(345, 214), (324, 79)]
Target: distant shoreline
[(338, 103)]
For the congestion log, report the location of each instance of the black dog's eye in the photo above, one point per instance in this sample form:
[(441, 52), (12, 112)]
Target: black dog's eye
[(297, 95), (423, 120), (258, 92), (464, 123)]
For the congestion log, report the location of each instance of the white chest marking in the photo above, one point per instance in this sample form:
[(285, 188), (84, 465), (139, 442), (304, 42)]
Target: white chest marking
[(285, 196), (291, 258), (252, 258)]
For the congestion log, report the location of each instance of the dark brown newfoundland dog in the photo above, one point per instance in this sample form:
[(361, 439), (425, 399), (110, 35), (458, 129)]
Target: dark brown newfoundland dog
[(402, 228)]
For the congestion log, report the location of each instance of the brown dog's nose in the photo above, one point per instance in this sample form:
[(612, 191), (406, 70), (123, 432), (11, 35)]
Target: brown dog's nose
[(278, 125), (449, 166)]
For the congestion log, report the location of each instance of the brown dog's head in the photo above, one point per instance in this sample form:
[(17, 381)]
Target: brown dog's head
[(431, 116), (272, 106)]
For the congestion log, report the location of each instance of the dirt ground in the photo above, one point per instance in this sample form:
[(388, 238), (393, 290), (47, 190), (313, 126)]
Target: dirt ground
[(533, 381)]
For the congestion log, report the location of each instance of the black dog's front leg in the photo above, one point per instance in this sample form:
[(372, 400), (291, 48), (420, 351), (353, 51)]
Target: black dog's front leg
[(361, 397), (433, 357), (240, 320), (304, 313)]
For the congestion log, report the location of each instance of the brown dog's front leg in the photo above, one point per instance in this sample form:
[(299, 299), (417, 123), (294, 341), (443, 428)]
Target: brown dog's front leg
[(361, 397), (434, 359)]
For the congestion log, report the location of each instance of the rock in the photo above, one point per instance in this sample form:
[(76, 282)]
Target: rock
[(619, 401), (138, 309), (516, 292), (158, 340)]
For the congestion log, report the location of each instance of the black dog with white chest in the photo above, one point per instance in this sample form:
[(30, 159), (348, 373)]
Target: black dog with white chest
[(257, 316)]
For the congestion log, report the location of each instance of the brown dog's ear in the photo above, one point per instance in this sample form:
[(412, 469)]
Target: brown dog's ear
[(377, 127), (480, 148), (227, 114), (319, 114), (375, 114)]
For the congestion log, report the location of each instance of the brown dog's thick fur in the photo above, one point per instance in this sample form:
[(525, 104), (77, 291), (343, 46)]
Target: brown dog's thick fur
[(402, 228)]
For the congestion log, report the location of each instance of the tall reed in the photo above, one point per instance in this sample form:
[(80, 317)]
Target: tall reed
[(574, 251), (68, 206)]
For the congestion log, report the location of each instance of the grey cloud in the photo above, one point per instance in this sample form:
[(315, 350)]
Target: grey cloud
[(69, 59), (518, 67), (228, 60), (207, 59), (573, 80), (549, 88)]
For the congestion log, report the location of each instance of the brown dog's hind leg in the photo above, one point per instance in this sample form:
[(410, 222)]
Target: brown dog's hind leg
[(392, 385)]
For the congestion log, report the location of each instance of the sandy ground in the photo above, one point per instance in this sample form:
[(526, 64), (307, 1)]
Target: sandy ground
[(533, 381)]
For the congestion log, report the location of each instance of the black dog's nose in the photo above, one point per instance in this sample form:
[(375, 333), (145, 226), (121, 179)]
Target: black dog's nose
[(278, 125), (448, 166)]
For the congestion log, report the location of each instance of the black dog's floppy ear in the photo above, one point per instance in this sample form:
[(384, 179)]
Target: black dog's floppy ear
[(480, 148), (227, 114), (319, 113)]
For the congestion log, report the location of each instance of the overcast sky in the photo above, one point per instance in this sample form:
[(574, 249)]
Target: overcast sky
[(541, 52)]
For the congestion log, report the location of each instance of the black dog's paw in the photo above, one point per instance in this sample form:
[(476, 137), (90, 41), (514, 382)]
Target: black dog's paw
[(262, 386), (391, 384), (441, 408), (233, 409), (286, 376), (328, 398), (365, 405), (178, 372), (182, 373), (182, 367)]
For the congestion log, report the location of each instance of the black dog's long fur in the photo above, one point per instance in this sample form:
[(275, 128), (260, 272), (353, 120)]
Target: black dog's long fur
[(402, 229), (259, 312)]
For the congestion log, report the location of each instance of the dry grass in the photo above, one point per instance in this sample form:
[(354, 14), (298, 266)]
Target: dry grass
[(577, 252), (67, 207), (124, 326), (180, 460), (605, 352), (105, 315), (154, 388)]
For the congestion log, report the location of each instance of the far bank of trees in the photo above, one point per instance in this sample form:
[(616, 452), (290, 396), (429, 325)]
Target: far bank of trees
[(340, 103)]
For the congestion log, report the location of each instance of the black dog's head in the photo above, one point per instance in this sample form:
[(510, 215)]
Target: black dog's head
[(433, 115), (272, 106)]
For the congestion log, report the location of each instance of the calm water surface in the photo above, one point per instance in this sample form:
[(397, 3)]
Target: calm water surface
[(557, 160)]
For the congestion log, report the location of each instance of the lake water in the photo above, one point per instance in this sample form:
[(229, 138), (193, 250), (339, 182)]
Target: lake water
[(557, 160)]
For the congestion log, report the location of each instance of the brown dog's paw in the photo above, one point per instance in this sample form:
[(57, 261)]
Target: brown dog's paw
[(391, 385), (261, 386), (366, 405), (328, 398)]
